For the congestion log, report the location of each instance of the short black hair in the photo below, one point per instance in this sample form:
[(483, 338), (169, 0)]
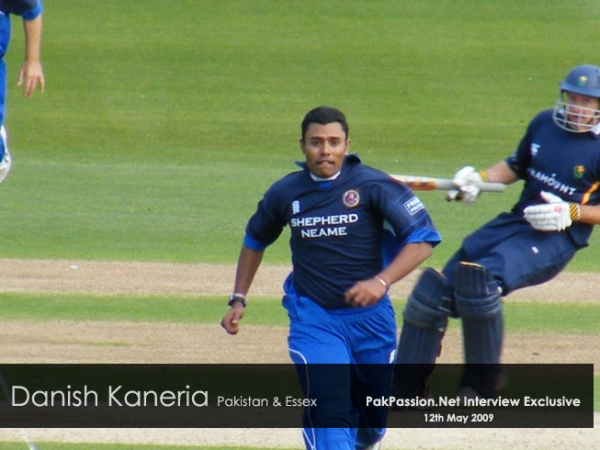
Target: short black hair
[(324, 115)]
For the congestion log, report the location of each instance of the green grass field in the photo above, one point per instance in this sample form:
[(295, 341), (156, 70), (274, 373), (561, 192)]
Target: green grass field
[(162, 125), (558, 318), (163, 122)]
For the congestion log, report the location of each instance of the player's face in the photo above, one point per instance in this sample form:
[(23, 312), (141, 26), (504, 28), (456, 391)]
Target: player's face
[(324, 147), (582, 110)]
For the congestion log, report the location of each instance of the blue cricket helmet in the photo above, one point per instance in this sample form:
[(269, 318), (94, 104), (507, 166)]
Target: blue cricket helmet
[(582, 80)]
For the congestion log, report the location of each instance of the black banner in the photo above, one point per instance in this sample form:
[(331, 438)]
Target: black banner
[(270, 396)]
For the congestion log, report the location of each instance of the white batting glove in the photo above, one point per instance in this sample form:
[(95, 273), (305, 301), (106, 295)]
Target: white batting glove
[(554, 215), (465, 180)]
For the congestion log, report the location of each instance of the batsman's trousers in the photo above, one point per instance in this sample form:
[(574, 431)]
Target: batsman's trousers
[(515, 253)]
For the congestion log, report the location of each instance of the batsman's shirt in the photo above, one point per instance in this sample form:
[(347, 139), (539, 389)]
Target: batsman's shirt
[(566, 164), (342, 231)]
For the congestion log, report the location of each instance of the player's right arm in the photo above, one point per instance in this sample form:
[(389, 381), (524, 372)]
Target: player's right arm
[(466, 178), (501, 173), (248, 263), (263, 228)]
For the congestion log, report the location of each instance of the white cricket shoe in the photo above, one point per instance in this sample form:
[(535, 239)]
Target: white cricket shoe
[(6, 162)]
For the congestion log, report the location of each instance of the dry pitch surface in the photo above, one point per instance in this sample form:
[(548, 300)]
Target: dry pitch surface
[(106, 342)]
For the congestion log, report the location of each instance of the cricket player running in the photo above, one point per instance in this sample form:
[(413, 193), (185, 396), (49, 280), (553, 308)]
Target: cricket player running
[(340, 213), (559, 160)]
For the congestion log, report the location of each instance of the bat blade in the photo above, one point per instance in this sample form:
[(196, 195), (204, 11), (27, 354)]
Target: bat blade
[(420, 183)]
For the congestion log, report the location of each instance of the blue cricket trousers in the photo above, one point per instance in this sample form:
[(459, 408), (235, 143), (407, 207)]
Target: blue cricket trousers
[(5, 30), (352, 339)]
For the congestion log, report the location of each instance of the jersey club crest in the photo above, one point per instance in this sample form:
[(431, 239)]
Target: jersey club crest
[(351, 198)]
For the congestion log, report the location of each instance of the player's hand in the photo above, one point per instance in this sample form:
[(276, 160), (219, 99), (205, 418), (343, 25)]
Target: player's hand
[(466, 192), (365, 293), (554, 215), (30, 76), (231, 320)]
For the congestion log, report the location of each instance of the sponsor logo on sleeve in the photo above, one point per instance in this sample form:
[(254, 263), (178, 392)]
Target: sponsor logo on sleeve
[(413, 206)]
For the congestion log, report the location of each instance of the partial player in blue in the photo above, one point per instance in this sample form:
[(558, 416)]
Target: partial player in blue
[(558, 159), (340, 214), (31, 74)]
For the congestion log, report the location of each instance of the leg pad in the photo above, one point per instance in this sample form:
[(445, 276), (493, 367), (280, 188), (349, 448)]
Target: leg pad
[(425, 319), (430, 302), (478, 302)]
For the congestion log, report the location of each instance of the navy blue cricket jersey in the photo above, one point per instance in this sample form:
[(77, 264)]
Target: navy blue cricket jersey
[(566, 164), (338, 227), (29, 9)]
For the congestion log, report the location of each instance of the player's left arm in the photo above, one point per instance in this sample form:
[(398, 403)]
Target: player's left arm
[(368, 292), (589, 214), (414, 238), (408, 259), (558, 215)]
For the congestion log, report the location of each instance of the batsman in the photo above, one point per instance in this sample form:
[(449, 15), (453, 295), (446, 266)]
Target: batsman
[(558, 158)]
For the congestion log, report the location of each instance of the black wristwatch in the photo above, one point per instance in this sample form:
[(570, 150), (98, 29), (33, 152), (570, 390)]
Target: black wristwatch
[(241, 298)]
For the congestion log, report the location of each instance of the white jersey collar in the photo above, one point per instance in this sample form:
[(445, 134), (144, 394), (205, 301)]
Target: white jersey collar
[(331, 178)]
